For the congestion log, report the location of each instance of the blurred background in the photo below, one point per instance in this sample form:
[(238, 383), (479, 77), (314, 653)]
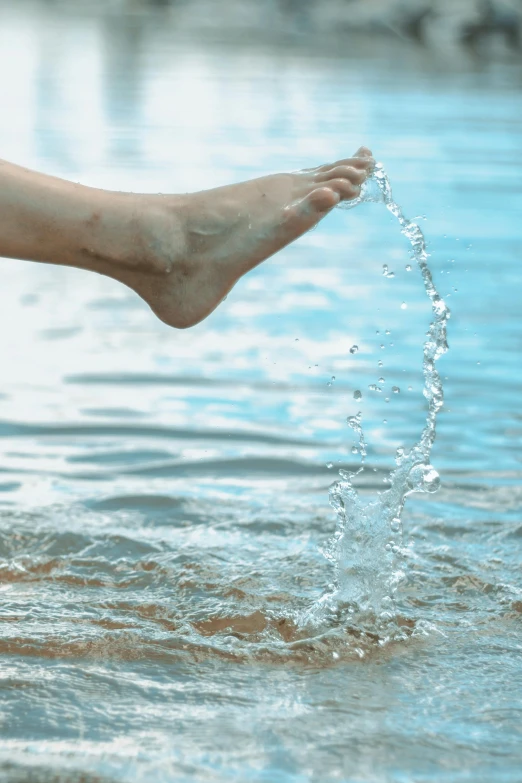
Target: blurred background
[(164, 495)]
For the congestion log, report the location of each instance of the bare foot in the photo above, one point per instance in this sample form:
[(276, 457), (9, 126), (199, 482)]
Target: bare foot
[(198, 245)]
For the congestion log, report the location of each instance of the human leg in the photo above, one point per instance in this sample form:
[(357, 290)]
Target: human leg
[(181, 253)]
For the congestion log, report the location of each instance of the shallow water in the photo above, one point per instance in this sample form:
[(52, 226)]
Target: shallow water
[(164, 495)]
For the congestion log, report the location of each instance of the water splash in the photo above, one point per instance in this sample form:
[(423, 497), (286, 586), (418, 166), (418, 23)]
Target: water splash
[(366, 550)]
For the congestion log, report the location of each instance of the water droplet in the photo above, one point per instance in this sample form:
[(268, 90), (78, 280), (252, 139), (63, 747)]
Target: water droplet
[(423, 478), (390, 275), (380, 363), (395, 525), (374, 387), (329, 465), (408, 267), (382, 346), (382, 380), (410, 388), (386, 399), (385, 421), (357, 395), (396, 390), (387, 331), (355, 450), (354, 349), (404, 306)]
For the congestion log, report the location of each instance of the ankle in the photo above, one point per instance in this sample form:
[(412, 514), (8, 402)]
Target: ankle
[(131, 233)]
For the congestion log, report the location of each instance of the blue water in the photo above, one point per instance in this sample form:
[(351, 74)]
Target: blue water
[(164, 495)]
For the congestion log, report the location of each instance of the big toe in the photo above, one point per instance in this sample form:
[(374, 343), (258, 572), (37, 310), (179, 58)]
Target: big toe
[(363, 152), (320, 201), (310, 210)]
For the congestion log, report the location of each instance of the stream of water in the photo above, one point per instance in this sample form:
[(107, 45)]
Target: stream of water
[(367, 546)]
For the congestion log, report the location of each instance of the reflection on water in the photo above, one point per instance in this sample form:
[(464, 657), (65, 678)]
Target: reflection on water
[(164, 494)]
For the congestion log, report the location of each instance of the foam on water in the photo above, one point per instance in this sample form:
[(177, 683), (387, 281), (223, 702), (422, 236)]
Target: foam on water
[(367, 546)]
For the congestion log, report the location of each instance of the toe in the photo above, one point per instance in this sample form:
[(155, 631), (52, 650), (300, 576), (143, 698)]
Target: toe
[(346, 190), (350, 173), (363, 152), (312, 207), (323, 199), (364, 163)]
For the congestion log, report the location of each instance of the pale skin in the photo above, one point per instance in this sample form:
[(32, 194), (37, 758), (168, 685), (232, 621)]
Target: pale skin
[(182, 253)]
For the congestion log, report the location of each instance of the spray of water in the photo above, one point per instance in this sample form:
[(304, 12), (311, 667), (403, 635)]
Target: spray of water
[(365, 551)]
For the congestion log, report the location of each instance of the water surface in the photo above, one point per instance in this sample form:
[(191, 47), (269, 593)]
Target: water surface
[(164, 495)]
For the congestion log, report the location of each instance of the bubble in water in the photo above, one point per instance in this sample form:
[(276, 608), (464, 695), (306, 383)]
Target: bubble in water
[(374, 387), (354, 349), (395, 389), (423, 478), (329, 465), (395, 524), (331, 381), (380, 363), (355, 450), (408, 267), (385, 269), (404, 306), (382, 380), (357, 395)]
